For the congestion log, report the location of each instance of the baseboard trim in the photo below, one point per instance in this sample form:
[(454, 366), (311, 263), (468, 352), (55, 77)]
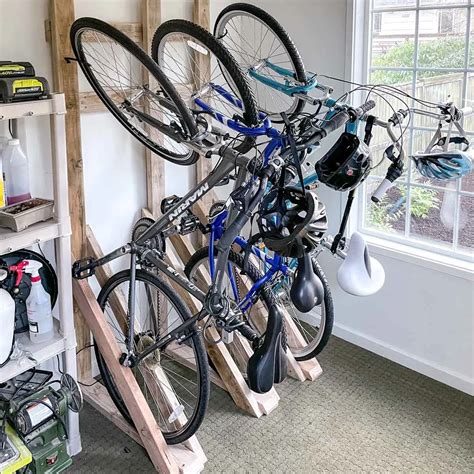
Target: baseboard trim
[(434, 371)]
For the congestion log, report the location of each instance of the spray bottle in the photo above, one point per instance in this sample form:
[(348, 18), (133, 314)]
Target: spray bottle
[(38, 306), (7, 321)]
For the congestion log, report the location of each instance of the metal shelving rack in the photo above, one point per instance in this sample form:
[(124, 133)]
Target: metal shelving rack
[(58, 230)]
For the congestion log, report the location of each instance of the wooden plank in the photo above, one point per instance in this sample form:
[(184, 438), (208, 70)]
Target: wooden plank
[(65, 79), (155, 166), (126, 383), (133, 30), (118, 302), (201, 16)]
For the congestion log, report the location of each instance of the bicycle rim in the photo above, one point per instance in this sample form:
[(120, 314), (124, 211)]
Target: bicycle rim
[(199, 273), (124, 77), (315, 328), (195, 62), (252, 42), (174, 381)]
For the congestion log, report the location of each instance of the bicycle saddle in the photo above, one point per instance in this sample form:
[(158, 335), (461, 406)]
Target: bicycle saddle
[(360, 274), (307, 291), (267, 365)]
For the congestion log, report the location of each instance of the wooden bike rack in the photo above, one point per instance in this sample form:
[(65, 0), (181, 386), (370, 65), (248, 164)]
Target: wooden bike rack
[(228, 359)]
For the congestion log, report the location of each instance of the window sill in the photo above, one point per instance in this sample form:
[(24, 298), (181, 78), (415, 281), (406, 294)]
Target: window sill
[(416, 256)]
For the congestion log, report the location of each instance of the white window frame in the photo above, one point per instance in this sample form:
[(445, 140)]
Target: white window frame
[(360, 17)]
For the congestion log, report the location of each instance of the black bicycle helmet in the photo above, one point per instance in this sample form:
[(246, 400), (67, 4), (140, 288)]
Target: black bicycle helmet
[(346, 164), (292, 222)]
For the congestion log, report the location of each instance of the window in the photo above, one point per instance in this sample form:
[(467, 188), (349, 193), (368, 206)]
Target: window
[(377, 23), (424, 49), (446, 21)]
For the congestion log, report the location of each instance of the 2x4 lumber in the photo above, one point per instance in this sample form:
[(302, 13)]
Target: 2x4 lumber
[(137, 406), (155, 165), (201, 16), (65, 79), (133, 30)]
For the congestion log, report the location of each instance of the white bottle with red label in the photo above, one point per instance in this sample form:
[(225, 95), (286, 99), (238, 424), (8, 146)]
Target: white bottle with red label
[(16, 173), (38, 306)]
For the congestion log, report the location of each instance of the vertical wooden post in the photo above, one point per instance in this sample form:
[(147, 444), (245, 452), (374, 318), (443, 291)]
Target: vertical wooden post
[(65, 80), (201, 16), (155, 165)]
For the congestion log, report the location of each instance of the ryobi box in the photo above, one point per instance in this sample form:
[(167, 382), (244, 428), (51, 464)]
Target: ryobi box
[(18, 89), (18, 82), (16, 69)]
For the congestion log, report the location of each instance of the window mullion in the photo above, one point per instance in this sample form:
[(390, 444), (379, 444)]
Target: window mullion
[(413, 93)]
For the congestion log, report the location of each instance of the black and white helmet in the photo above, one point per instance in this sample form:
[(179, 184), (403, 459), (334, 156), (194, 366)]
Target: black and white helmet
[(292, 222)]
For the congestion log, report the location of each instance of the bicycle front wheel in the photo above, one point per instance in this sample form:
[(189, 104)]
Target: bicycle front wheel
[(257, 41), (174, 381), (316, 330), (130, 84), (198, 66)]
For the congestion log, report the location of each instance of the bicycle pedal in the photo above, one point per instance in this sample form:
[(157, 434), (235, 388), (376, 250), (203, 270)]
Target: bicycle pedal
[(84, 268)]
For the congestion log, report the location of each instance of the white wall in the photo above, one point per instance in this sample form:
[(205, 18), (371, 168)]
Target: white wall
[(423, 318)]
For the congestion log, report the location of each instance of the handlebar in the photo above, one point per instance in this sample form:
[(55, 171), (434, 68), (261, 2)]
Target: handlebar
[(383, 187), (338, 120)]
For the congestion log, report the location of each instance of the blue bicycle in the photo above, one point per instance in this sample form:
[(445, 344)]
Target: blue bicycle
[(193, 62)]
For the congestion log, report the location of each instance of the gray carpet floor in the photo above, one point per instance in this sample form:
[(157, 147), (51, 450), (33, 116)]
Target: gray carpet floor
[(364, 414)]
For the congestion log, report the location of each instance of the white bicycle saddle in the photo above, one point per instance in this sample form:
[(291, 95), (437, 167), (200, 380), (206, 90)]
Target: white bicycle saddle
[(360, 274)]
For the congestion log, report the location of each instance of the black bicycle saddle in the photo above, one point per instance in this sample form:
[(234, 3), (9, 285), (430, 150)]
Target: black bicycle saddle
[(307, 290), (267, 365)]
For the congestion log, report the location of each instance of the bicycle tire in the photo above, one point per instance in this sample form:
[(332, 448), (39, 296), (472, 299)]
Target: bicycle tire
[(184, 115), (280, 33), (250, 113), (328, 315), (252, 272), (200, 354)]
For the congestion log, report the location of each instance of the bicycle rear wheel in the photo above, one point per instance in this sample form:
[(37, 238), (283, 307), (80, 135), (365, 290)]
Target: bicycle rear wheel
[(195, 62), (316, 330), (174, 381), (253, 37), (236, 288), (129, 83)]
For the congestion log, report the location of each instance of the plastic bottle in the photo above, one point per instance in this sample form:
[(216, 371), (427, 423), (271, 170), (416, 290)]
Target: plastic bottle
[(16, 173), (7, 321), (38, 306), (3, 197)]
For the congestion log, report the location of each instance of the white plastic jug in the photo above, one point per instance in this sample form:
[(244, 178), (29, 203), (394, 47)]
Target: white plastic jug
[(15, 166), (7, 321)]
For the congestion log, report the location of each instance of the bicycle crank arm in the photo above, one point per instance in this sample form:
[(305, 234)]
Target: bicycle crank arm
[(168, 130)]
